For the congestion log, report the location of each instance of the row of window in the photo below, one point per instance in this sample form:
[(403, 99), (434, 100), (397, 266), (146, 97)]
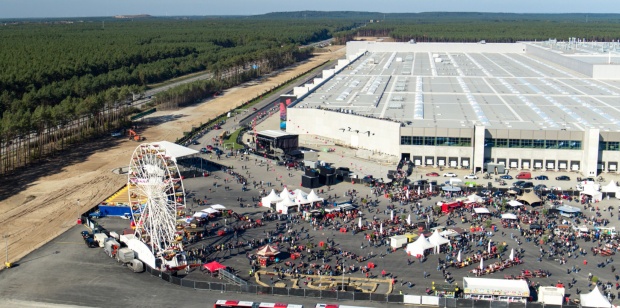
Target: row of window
[(533, 143), (609, 146), (435, 141)]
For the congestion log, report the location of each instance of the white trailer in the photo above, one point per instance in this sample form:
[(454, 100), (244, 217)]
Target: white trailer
[(100, 238)]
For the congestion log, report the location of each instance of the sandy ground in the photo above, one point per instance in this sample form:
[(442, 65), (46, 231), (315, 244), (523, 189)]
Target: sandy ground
[(48, 205)]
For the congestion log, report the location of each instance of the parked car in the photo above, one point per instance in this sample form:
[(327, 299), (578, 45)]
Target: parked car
[(552, 197), (471, 176), (432, 174), (485, 192), (506, 177), (497, 194), (449, 174), (526, 185), (541, 178), (518, 183), (204, 151), (562, 178), (540, 187)]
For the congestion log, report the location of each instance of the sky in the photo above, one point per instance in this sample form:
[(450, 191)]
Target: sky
[(88, 8)]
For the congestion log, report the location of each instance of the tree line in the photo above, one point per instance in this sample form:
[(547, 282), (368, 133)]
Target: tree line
[(493, 30), (61, 84)]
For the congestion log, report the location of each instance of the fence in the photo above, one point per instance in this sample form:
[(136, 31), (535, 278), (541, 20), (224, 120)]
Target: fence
[(261, 290)]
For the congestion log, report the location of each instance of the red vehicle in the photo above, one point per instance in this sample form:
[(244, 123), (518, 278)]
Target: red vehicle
[(432, 174), (217, 127), (245, 304), (447, 207)]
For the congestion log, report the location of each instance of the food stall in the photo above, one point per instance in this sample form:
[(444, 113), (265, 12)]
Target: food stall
[(496, 289), (398, 241), (445, 290), (267, 255)]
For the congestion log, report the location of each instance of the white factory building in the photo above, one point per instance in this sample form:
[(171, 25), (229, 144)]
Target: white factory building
[(531, 106)]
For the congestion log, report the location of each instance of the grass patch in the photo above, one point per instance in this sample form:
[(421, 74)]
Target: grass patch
[(233, 139)]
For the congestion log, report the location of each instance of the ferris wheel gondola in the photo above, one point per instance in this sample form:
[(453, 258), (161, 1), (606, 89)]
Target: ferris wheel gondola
[(157, 196)]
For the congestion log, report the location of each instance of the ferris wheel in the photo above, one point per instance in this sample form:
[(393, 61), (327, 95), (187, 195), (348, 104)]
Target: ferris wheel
[(157, 197)]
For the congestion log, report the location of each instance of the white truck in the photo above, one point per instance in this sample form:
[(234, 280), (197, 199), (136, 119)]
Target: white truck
[(125, 255)]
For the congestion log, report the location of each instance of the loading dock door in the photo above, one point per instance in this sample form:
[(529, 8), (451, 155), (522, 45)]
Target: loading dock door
[(514, 164), (562, 165), (613, 166), (526, 165), (550, 165), (441, 162), (465, 163)]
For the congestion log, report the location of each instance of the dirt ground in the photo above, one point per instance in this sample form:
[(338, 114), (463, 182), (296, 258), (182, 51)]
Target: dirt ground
[(44, 201)]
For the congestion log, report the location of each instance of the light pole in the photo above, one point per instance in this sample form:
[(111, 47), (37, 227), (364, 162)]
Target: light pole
[(6, 244), (78, 208), (343, 270)]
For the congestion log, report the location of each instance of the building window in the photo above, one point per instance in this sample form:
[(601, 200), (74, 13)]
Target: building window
[(527, 143), (539, 144), (514, 143), (551, 144), (575, 145), (563, 144), (417, 140), (613, 145), (489, 143), (453, 141), (501, 143), (405, 140), (442, 140), (465, 142), (429, 140)]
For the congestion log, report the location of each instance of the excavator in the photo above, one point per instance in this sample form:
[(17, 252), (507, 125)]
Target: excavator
[(135, 136)]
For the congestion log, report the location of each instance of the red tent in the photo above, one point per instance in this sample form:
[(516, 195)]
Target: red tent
[(213, 266)]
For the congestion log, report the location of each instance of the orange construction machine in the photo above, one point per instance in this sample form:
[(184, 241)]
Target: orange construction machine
[(133, 135)]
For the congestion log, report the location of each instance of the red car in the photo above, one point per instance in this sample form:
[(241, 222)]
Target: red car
[(432, 174)]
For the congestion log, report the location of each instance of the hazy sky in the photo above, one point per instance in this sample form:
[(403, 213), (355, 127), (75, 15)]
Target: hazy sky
[(79, 8)]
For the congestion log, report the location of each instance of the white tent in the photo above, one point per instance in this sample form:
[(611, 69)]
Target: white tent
[(283, 206), (218, 207), (612, 187), (514, 203), (419, 246), (438, 240), (174, 150), (209, 210), (509, 216), (313, 197), (481, 210), (594, 299), (301, 197), (271, 198), (298, 192), (286, 193), (474, 198), (200, 214), (596, 195)]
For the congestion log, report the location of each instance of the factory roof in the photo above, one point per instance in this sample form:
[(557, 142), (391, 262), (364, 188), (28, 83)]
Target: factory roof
[(462, 89)]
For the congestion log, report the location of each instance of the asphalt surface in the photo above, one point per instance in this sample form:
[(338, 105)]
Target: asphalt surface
[(66, 272)]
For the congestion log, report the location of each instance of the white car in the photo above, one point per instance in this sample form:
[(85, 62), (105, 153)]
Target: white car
[(471, 176), (449, 174)]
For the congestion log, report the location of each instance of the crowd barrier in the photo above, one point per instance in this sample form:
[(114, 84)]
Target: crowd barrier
[(261, 290)]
